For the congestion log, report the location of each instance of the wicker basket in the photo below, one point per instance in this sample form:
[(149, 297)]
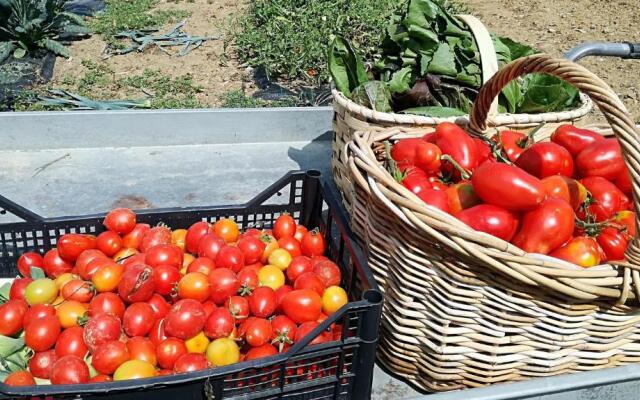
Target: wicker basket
[(350, 117), (466, 309)]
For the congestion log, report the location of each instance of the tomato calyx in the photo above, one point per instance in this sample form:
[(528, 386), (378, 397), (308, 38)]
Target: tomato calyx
[(83, 319), (281, 339), (245, 290)]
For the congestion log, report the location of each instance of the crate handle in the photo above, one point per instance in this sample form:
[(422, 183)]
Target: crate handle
[(18, 210)]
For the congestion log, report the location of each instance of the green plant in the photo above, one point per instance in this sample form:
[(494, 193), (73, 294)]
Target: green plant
[(238, 99), (28, 25)]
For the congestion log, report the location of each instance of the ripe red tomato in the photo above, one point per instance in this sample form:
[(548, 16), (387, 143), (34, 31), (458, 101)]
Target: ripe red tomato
[(493, 220), (224, 284), (238, 306), (258, 332), (290, 244), (280, 293), (120, 220), (142, 349), (89, 262), (78, 290), (230, 257), (328, 272), (18, 288), (164, 254), (165, 279), (607, 198), (248, 280), (194, 234), (574, 139), (136, 284), (226, 229), (41, 334), (513, 143), (159, 306), (208, 306), (418, 183), (154, 237), (41, 364), (266, 350), (71, 245), (614, 243), (284, 226), (546, 159), (602, 158), (12, 314), (71, 342), (219, 324), (109, 356), (298, 266), (28, 260), (546, 228), (302, 305), (185, 319), (203, 265), (100, 329), (301, 230), (252, 248), (455, 142), (309, 280), (133, 239), (209, 246), (169, 351), (416, 152), (109, 243), (623, 182), (313, 244), (37, 311), (54, 265), (262, 302), (567, 189), (69, 370), (194, 285), (507, 186), (19, 378), (107, 303), (306, 328), (138, 319), (191, 362), (157, 333), (284, 331)]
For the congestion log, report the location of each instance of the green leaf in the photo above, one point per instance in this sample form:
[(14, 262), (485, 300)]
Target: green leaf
[(546, 93), (443, 62), (37, 273), (6, 48), (513, 96), (373, 94), (4, 291), (436, 112), (10, 345), (345, 67), (517, 50), (401, 81), (56, 47), (19, 52)]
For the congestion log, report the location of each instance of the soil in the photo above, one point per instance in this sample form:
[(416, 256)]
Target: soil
[(556, 26), (209, 66)]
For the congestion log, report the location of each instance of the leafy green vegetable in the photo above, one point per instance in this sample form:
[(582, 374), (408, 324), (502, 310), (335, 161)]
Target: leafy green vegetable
[(9, 346), (346, 68), (401, 81), (546, 93), (373, 94), (437, 112), (4, 292)]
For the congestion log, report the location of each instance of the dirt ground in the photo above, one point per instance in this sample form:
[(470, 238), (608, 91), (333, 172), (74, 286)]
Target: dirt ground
[(555, 26), (210, 68)]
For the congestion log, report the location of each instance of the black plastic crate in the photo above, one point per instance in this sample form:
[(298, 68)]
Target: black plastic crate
[(336, 370)]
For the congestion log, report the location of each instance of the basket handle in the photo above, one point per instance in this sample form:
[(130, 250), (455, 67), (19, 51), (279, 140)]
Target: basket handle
[(608, 102)]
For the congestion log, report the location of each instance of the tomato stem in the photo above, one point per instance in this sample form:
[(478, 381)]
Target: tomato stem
[(464, 174), (528, 141)]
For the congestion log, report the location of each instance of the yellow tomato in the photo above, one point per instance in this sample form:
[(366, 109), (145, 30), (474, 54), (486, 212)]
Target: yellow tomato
[(271, 276), (64, 278), (271, 244), (223, 351), (41, 291), (68, 313), (124, 253), (280, 258), (178, 237), (197, 344), (134, 369), (187, 259), (333, 298)]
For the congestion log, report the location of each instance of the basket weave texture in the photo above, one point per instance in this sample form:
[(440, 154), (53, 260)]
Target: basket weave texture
[(466, 309)]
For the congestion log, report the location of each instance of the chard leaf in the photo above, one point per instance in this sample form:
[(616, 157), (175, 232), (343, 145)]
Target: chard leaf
[(9, 345), (373, 94), (436, 112), (401, 81), (517, 50), (546, 93), (345, 67), (443, 62), (513, 97)]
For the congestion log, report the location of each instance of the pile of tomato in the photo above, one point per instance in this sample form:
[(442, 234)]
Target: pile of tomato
[(140, 301), (569, 197)]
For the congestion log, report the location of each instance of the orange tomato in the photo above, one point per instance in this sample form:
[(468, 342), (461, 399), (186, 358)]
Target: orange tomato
[(124, 253), (271, 245), (582, 250), (134, 369), (227, 229), (68, 313), (194, 285), (107, 278), (178, 237)]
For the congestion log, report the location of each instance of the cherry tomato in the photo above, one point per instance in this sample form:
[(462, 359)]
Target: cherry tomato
[(19, 378), (107, 303), (493, 220), (266, 350), (19, 288), (197, 344), (194, 285), (513, 143), (136, 284), (203, 265), (64, 279), (546, 228), (210, 245), (291, 245), (89, 262), (417, 182), (602, 158), (71, 245), (159, 306), (313, 244), (154, 237), (223, 351), (546, 159), (71, 342), (298, 266), (54, 265), (280, 293), (194, 234), (107, 277), (224, 284), (333, 299), (69, 312), (165, 279), (179, 238), (28, 260), (191, 362), (306, 328), (567, 189), (185, 319), (238, 306), (169, 351), (300, 232), (574, 139), (258, 332), (248, 277), (219, 324), (614, 243), (134, 369), (507, 186), (271, 276), (285, 226), (280, 258), (262, 302), (310, 280), (78, 290), (69, 370), (328, 272), (230, 257), (138, 319), (38, 311), (109, 356), (100, 329), (41, 334), (227, 229), (140, 348), (252, 248), (416, 152), (41, 364), (270, 245), (120, 220), (283, 331), (41, 291), (164, 254), (157, 333), (302, 305), (12, 315), (109, 243), (133, 239), (607, 198)]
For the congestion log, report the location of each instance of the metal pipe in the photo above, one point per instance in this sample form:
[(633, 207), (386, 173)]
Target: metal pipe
[(622, 50)]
